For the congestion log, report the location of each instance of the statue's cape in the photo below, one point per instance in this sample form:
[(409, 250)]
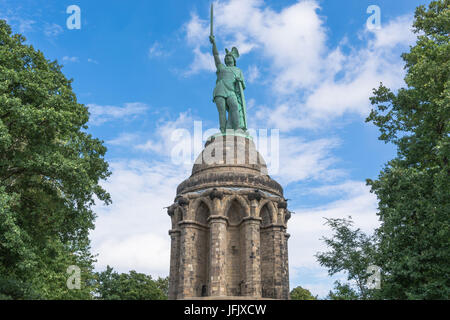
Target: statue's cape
[(242, 106)]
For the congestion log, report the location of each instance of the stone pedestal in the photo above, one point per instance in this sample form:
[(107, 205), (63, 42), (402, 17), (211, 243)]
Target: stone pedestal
[(229, 227)]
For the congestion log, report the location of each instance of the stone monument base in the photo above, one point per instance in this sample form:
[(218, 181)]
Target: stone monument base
[(231, 132), (229, 221)]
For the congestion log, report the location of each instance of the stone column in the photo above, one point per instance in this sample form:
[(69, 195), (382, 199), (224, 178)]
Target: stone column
[(282, 290), (188, 256), (278, 232), (285, 267), (252, 257), (174, 263), (267, 262), (218, 243)]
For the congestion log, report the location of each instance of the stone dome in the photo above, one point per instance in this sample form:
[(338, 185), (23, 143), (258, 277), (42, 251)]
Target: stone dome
[(230, 161)]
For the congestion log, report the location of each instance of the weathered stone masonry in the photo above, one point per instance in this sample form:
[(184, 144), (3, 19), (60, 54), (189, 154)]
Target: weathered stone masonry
[(229, 221)]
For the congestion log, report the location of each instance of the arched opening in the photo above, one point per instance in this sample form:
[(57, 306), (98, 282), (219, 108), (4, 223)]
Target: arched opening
[(202, 213), (265, 216), (267, 253), (202, 246), (234, 257)]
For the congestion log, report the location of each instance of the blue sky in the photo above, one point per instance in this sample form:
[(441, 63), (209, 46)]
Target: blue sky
[(144, 69)]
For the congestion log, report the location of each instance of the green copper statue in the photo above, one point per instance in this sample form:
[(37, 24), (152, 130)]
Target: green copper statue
[(229, 91)]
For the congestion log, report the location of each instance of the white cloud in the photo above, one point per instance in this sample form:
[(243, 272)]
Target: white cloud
[(156, 50), (150, 146), (165, 135), (307, 228), (202, 61), (92, 61), (68, 59), (250, 103), (16, 19), (362, 71), (314, 279), (252, 73), (125, 139), (396, 31), (131, 233), (312, 83), (53, 30), (286, 116), (102, 114), (25, 25), (293, 38), (197, 33), (289, 158), (306, 160), (145, 252)]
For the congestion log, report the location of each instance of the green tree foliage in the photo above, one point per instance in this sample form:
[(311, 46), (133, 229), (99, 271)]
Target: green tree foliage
[(413, 189), (111, 285), (299, 293), (50, 170), (343, 291), (163, 285), (412, 244), (352, 252)]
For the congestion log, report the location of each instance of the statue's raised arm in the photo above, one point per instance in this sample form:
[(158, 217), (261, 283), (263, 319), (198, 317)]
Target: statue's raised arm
[(214, 51)]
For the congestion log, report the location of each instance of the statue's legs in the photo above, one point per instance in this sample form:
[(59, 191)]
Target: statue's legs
[(233, 112), (221, 107)]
